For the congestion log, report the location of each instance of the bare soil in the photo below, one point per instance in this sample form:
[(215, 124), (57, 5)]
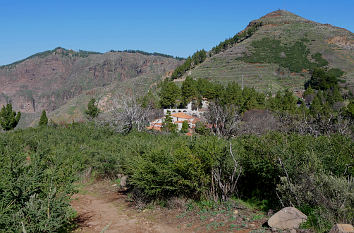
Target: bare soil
[(101, 208)]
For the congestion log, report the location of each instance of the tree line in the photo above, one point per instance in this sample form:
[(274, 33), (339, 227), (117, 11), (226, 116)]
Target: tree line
[(197, 58), (239, 37), (324, 106)]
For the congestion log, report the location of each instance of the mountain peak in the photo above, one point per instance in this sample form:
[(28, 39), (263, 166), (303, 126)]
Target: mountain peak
[(279, 13), (281, 17)]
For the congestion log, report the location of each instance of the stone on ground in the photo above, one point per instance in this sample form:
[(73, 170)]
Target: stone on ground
[(342, 228), (287, 218)]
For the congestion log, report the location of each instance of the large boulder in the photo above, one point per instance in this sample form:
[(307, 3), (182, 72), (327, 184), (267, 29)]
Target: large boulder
[(287, 218), (342, 228)]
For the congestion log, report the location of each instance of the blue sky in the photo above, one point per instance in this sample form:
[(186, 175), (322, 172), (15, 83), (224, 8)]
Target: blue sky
[(178, 27)]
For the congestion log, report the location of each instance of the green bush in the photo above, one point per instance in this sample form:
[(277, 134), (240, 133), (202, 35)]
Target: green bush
[(38, 167), (293, 57)]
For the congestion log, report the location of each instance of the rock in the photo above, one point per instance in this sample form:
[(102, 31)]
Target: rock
[(342, 228), (123, 181), (287, 218), (292, 231), (235, 212)]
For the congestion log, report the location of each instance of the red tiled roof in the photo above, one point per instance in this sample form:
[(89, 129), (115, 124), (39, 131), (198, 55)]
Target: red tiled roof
[(181, 115)]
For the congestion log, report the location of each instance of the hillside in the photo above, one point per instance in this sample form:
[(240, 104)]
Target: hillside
[(278, 51), (49, 80)]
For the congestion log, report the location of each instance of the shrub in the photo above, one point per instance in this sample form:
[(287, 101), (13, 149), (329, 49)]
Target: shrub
[(326, 199), (8, 118), (43, 121), (185, 127), (41, 164), (92, 110), (163, 173), (200, 128), (293, 57)]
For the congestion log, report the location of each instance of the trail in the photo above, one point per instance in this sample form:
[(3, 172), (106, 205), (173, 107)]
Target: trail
[(102, 209)]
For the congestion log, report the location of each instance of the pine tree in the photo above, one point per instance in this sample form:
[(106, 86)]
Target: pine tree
[(92, 110), (150, 100), (43, 121), (169, 94), (8, 118), (302, 109), (185, 127), (233, 94), (289, 102), (323, 80), (167, 124), (189, 90)]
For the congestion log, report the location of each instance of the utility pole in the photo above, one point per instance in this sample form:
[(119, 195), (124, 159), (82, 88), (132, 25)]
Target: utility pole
[(242, 83)]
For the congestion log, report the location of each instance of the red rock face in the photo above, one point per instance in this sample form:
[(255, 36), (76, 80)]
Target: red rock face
[(45, 82)]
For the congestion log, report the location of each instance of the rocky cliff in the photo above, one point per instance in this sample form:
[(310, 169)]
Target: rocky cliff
[(48, 80)]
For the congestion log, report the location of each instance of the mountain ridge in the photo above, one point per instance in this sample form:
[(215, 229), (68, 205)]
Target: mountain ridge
[(47, 80)]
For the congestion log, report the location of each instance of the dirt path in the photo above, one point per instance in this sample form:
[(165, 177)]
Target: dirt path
[(102, 209)]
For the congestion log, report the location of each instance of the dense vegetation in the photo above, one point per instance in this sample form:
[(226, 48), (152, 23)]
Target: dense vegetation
[(39, 167), (322, 97), (294, 57), (197, 58)]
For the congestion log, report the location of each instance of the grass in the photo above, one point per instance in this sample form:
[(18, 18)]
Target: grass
[(251, 204), (220, 216)]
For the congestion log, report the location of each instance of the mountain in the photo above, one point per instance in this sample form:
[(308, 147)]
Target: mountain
[(51, 79), (278, 51)]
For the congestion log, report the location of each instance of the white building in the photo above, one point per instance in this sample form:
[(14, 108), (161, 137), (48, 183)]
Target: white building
[(189, 110), (180, 115)]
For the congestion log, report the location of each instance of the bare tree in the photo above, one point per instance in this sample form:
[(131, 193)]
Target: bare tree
[(258, 121), (223, 181), (319, 125), (224, 119), (126, 114)]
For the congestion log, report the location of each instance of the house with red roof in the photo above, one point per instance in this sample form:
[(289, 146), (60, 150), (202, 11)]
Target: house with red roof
[(190, 114), (177, 118)]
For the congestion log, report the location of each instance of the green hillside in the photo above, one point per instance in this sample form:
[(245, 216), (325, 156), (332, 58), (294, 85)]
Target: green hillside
[(279, 51)]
